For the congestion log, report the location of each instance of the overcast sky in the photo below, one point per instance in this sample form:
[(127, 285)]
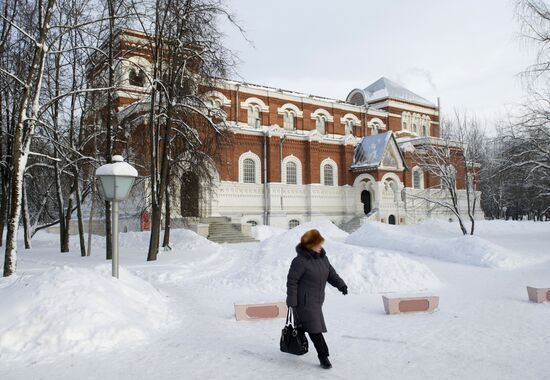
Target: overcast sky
[(467, 52)]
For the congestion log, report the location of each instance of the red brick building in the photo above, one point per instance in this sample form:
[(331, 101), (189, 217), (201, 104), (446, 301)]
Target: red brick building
[(296, 157)]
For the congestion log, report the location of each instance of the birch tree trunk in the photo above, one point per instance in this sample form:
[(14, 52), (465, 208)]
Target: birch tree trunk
[(26, 219), (23, 134)]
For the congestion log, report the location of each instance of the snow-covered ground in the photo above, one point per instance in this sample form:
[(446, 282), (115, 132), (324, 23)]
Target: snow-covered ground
[(64, 317)]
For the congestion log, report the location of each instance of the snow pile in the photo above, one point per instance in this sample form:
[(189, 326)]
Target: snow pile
[(76, 310), (261, 232), (419, 240), (364, 270)]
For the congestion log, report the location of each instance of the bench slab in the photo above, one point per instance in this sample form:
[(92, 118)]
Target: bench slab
[(538, 295), (250, 312), (418, 304)]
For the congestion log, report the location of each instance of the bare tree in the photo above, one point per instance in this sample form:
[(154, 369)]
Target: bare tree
[(453, 161), (534, 20), (186, 56), (26, 122)]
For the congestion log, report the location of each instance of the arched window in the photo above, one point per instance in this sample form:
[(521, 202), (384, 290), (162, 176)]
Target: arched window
[(289, 121), (375, 128), (136, 77), (351, 122), (425, 131), (250, 167), (293, 223), (328, 175), (249, 171), (329, 172), (254, 116), (471, 182), (291, 173), (321, 124), (417, 179), (291, 170)]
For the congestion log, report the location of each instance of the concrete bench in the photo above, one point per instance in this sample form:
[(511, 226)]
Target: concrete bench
[(250, 312), (405, 304), (538, 294)]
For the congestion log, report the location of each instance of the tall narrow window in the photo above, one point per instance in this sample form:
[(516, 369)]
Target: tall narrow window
[(350, 126), (328, 175), (320, 124), (249, 171), (254, 116), (291, 173), (417, 179)]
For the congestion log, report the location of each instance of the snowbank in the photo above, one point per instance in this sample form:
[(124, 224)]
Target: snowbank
[(364, 270), (261, 232), (69, 310), (420, 240)]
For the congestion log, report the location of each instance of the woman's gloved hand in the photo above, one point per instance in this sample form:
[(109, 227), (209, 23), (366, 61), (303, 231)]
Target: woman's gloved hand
[(344, 290)]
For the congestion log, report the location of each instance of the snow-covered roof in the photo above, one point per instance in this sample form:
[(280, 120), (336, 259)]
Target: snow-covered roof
[(370, 150), (385, 88)]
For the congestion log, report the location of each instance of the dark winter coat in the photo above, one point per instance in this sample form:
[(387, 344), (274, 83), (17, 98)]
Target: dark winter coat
[(305, 287)]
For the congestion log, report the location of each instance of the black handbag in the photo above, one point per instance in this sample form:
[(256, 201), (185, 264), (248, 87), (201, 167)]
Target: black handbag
[(293, 339)]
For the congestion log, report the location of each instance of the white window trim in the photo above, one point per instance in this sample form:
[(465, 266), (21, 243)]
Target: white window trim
[(351, 116), (298, 163), (331, 162), (371, 123), (289, 106), (257, 167), (255, 101), (321, 111)]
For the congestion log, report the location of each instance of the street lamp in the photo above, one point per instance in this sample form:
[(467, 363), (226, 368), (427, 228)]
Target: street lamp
[(116, 181)]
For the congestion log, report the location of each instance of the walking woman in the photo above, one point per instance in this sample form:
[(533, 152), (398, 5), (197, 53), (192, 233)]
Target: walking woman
[(307, 277)]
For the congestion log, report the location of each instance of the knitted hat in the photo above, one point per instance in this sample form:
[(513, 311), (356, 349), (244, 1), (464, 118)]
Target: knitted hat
[(311, 239)]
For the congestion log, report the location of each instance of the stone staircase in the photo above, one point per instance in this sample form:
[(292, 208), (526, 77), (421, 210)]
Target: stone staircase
[(221, 230), (353, 224)]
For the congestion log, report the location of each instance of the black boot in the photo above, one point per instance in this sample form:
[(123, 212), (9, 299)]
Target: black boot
[(325, 363)]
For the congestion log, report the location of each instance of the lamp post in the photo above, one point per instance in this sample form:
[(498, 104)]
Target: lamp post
[(116, 181)]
